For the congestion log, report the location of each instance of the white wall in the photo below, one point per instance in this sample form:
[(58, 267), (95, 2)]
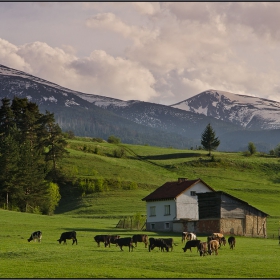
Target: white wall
[(160, 217), (187, 205)]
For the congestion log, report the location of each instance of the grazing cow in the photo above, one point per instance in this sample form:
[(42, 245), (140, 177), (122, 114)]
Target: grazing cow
[(169, 242), (211, 237), (157, 242), (102, 238), (202, 248), (140, 238), (113, 238), (125, 241), (184, 236), (190, 244), (36, 235), (223, 241), (231, 242), (68, 235), (191, 236), (217, 234), (213, 246)]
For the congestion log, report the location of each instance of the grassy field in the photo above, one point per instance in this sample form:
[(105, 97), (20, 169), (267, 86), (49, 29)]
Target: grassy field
[(255, 179), (251, 258)]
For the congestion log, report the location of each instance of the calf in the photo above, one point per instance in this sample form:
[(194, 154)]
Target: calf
[(211, 237), (213, 246), (157, 242), (231, 242), (223, 241), (202, 248), (126, 241), (184, 236), (36, 235), (113, 238), (68, 235), (140, 238), (190, 244)]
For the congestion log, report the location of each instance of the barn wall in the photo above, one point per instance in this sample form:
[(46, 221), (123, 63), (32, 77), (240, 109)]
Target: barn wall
[(232, 226), (207, 226), (255, 226)]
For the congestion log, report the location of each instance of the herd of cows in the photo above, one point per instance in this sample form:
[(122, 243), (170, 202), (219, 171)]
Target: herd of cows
[(211, 246)]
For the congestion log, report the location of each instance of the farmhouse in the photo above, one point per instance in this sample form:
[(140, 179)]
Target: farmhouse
[(193, 206), (170, 206)]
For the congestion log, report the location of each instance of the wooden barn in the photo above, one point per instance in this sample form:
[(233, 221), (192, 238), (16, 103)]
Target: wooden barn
[(222, 212)]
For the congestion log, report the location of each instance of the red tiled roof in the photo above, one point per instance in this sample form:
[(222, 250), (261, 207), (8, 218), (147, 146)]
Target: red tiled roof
[(171, 190)]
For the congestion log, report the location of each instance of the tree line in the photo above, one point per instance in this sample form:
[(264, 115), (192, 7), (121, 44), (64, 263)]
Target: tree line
[(31, 146)]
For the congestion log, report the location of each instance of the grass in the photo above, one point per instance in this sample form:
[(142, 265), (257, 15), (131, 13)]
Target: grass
[(254, 257)]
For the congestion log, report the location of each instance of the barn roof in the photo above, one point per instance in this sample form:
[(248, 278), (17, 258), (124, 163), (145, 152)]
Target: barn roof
[(171, 190), (233, 197)]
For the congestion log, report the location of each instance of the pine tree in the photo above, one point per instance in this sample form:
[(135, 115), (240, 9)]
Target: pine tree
[(208, 139)]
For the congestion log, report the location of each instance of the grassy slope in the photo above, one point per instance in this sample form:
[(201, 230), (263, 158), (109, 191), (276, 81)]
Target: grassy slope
[(255, 179)]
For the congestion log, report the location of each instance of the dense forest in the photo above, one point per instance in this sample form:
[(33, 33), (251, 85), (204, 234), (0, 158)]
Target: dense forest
[(31, 145)]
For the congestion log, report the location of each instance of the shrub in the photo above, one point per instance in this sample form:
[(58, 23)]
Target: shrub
[(114, 140)]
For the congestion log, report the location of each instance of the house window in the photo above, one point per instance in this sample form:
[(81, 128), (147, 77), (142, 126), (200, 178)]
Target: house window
[(166, 225), (152, 226), (193, 193), (152, 210), (166, 210)]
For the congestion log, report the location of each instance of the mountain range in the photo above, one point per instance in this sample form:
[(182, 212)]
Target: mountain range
[(236, 119)]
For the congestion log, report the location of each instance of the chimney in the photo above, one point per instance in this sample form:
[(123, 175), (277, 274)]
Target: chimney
[(180, 180)]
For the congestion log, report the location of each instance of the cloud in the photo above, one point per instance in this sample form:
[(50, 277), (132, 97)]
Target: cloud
[(99, 73)]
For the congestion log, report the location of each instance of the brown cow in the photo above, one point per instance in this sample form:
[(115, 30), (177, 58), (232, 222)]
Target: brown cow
[(231, 242), (202, 248), (213, 246), (140, 238), (217, 234)]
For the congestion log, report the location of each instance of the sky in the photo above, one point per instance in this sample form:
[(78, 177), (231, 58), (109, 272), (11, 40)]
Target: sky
[(160, 52)]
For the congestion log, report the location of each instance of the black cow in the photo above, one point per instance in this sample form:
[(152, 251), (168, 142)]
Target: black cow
[(106, 239), (36, 235), (169, 242), (190, 244), (68, 235), (231, 242), (140, 238), (157, 242), (125, 241)]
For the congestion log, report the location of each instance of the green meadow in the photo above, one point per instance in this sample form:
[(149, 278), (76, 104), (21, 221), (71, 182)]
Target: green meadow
[(255, 179)]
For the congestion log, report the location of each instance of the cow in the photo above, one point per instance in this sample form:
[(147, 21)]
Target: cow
[(223, 241), (113, 238), (140, 238), (184, 236), (191, 236), (169, 242), (190, 244), (106, 239), (36, 235), (213, 246), (202, 248), (102, 238), (125, 241), (211, 237), (231, 242), (217, 234), (68, 235), (157, 242)]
